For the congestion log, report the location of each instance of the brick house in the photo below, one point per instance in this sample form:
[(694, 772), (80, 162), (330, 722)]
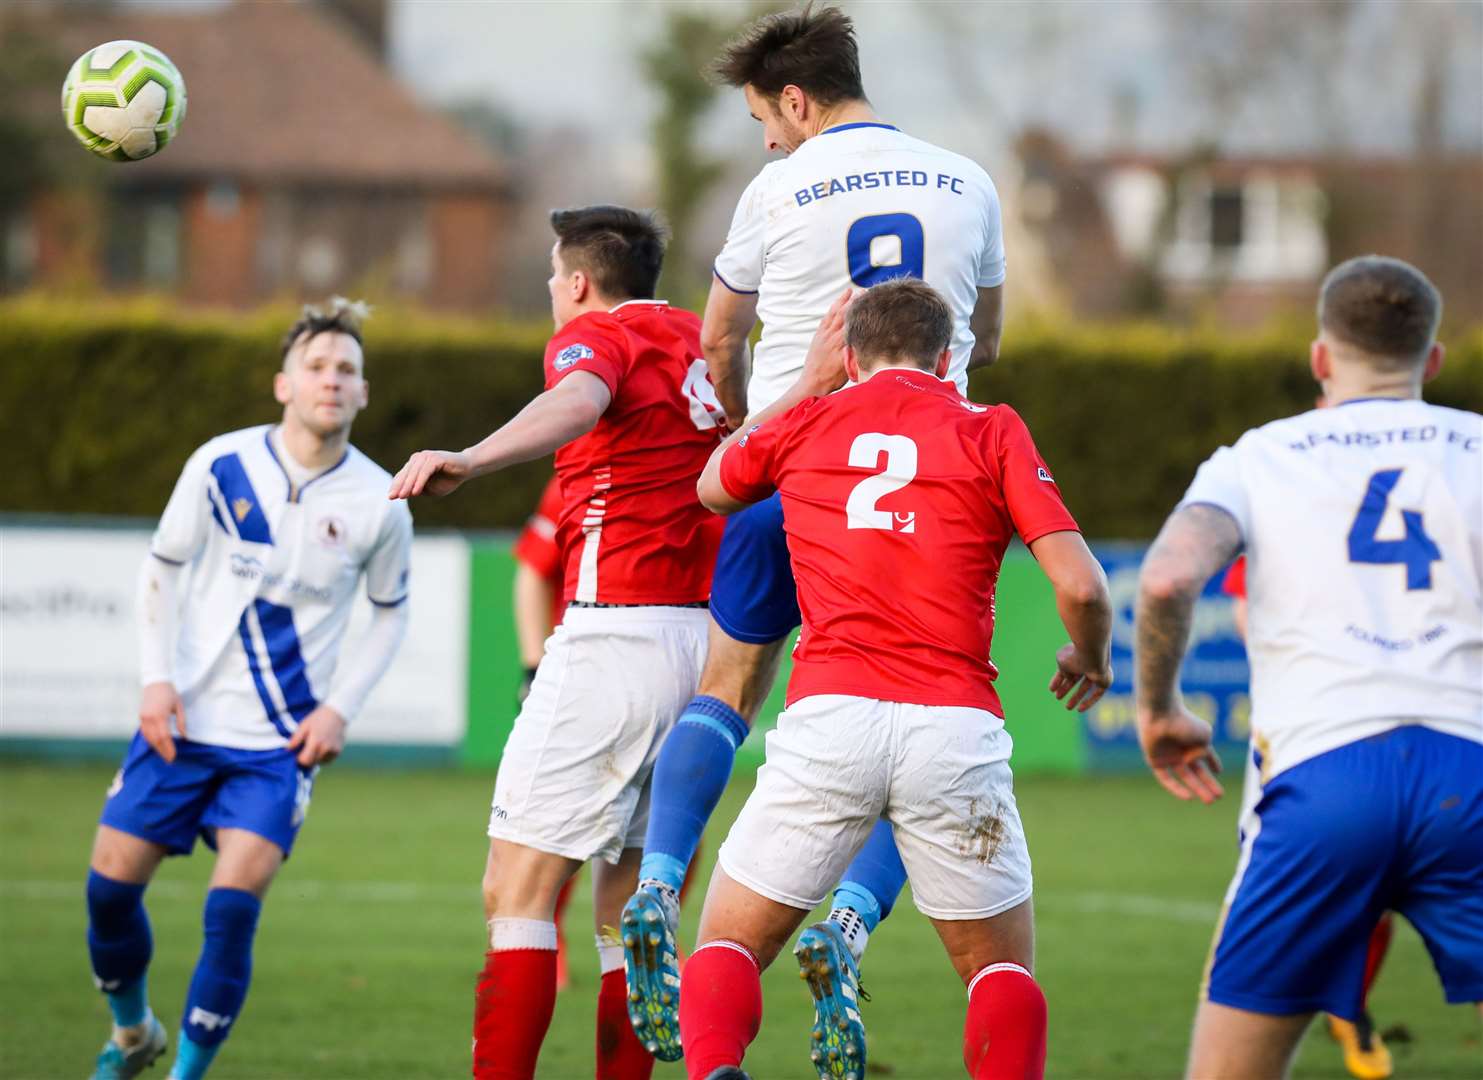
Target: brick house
[(1244, 238), (303, 167)]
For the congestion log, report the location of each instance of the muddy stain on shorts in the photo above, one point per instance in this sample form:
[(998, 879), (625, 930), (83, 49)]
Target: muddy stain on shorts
[(983, 833)]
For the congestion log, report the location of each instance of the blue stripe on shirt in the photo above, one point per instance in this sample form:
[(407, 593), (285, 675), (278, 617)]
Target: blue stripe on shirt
[(287, 659), (245, 631)]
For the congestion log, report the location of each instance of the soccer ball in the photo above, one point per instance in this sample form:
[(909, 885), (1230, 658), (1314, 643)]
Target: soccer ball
[(123, 100)]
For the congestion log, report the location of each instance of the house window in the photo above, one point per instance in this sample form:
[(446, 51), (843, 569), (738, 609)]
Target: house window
[(143, 241), (1226, 213)]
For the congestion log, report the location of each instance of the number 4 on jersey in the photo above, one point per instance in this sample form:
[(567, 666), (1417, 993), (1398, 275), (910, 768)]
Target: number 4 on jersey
[(1417, 550)]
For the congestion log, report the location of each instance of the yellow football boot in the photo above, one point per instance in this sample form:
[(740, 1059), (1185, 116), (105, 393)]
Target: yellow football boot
[(1365, 1053)]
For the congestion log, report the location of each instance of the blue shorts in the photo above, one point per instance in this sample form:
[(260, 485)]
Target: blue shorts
[(753, 596), (208, 788), (1390, 823)]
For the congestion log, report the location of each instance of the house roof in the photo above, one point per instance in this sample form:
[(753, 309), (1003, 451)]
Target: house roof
[(277, 92)]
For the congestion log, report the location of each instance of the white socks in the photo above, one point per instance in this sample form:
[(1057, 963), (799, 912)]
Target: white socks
[(609, 954), (852, 925), (508, 934)]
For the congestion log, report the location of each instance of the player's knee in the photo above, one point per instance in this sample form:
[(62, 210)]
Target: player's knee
[(112, 905)]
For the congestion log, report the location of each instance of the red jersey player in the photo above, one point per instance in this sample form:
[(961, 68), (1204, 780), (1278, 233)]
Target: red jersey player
[(632, 417), (899, 499)]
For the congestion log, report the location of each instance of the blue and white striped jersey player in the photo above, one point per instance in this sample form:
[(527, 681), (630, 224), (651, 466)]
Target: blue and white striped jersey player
[(1362, 525), (854, 202), (243, 602)]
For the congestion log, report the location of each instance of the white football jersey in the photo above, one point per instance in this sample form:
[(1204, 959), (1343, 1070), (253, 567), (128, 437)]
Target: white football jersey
[(273, 573), (1363, 529), (858, 203)]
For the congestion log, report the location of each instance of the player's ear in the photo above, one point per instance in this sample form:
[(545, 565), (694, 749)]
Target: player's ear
[(794, 102), (1320, 361), (851, 364), (1434, 358), (942, 363), (283, 390), (579, 286)]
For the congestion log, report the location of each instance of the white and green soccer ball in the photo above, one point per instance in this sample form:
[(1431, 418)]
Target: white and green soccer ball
[(124, 100)]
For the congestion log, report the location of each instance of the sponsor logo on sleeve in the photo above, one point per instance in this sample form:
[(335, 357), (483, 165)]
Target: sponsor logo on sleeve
[(571, 355), (743, 440), (1041, 472)]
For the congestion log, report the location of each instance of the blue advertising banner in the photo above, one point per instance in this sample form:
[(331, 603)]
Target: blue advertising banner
[(1215, 677)]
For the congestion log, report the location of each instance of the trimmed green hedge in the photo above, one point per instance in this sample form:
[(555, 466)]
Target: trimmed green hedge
[(100, 405)]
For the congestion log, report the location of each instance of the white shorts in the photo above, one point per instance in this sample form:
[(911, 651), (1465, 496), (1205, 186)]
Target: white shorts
[(939, 774), (574, 776)]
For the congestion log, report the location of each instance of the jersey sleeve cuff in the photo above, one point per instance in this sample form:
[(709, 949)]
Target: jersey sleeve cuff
[(1222, 507), (746, 494), (1065, 524), (398, 602), (734, 288)]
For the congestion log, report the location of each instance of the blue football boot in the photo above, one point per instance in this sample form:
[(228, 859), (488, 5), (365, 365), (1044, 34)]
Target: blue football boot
[(116, 1063), (838, 1037), (651, 967)]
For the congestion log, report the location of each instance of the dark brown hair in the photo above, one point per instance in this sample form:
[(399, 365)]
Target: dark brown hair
[(338, 315), (620, 250), (813, 50), (1381, 306), (902, 319)]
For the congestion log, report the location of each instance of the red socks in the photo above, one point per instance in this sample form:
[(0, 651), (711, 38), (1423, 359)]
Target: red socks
[(720, 1006), (1379, 943), (1004, 1035), (512, 1010), (620, 1055)]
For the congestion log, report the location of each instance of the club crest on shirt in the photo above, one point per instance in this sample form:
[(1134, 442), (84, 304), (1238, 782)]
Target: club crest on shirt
[(1044, 475), (570, 355), (330, 531), (241, 507)]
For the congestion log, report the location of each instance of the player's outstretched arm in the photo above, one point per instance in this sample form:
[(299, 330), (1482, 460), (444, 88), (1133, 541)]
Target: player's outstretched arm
[(987, 324), (567, 411), (729, 318), (1084, 666), (1194, 543)]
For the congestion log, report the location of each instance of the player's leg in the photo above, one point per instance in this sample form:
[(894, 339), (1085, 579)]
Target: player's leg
[(245, 866), (754, 606), (869, 889), (120, 945), (563, 974), (816, 800), (620, 1055), (253, 819), (516, 992), (574, 773), (1237, 1044), (959, 833), (152, 809), (741, 933), (1004, 1034), (1365, 1054), (1318, 866)]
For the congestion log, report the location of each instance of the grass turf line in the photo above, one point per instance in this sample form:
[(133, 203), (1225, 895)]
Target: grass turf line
[(372, 936)]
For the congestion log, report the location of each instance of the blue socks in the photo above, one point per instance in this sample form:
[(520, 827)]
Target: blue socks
[(874, 880), (120, 944), (690, 774), (219, 986)]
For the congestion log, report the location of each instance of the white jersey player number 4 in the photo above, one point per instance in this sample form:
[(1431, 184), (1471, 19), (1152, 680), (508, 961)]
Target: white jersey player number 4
[(1416, 549)]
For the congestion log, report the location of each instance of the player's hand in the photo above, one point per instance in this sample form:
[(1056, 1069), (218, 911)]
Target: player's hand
[(320, 738), (823, 367), (1177, 748), (431, 472), (157, 703), (1079, 681)]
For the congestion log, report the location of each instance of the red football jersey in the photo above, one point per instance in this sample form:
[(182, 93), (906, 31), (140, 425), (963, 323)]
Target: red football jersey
[(536, 545), (631, 529), (899, 499)]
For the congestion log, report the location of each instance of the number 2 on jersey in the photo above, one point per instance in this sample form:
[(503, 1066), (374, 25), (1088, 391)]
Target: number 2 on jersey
[(901, 468), (1417, 550), (886, 246)]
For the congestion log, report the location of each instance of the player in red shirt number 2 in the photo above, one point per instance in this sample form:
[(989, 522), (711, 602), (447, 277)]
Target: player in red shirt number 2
[(899, 499)]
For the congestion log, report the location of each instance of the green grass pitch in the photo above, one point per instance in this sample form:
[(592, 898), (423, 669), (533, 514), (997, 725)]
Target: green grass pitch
[(372, 936)]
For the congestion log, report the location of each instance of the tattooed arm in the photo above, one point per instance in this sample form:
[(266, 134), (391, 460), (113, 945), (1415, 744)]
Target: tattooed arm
[(1195, 542)]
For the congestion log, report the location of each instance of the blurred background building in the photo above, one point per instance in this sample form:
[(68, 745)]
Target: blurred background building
[(1187, 160)]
